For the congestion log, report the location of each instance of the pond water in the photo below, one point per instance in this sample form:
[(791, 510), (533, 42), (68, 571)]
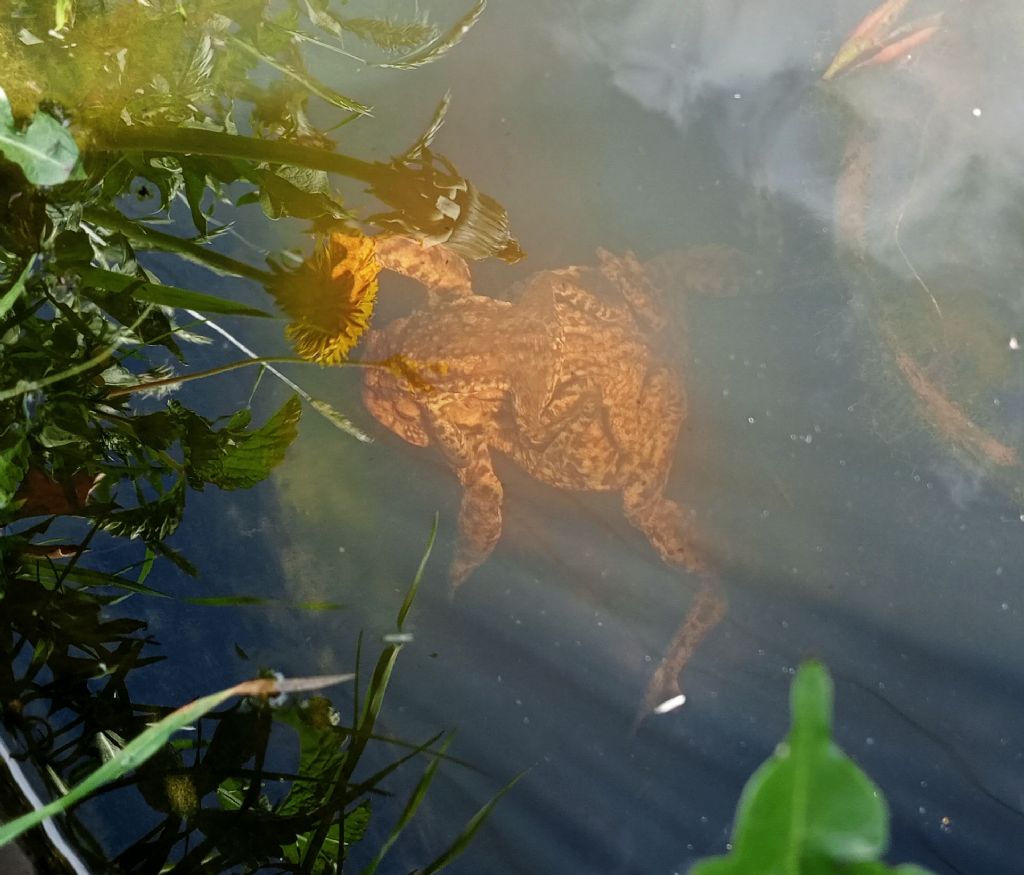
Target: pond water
[(854, 411)]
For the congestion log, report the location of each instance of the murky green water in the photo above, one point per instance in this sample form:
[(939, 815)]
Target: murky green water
[(846, 410)]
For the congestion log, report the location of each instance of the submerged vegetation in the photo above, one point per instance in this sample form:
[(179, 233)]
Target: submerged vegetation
[(217, 802), (128, 128)]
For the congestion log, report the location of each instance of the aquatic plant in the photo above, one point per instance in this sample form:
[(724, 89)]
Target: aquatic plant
[(132, 127), (217, 802), (809, 808)]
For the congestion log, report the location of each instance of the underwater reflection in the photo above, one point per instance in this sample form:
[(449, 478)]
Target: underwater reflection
[(903, 138)]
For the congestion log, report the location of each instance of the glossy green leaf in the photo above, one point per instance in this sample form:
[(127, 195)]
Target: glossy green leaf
[(234, 458), (45, 151), (166, 296), (808, 809)]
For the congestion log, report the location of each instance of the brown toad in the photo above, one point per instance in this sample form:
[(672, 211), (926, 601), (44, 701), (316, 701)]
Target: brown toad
[(565, 382)]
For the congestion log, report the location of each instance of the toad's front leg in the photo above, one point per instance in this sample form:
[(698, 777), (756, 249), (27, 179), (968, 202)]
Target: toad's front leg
[(480, 513), (444, 273), (479, 516)]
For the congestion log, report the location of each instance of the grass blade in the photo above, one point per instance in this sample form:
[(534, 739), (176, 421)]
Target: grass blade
[(417, 797), (411, 594), (152, 741), (463, 839)]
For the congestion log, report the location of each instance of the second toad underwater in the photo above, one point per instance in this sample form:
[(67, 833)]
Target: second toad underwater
[(565, 381)]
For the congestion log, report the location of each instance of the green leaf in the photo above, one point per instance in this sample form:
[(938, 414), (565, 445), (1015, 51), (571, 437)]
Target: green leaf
[(14, 292), (166, 296), (443, 44), (152, 521), (306, 81), (298, 192), (13, 464), (195, 188), (809, 808), (233, 458), (356, 822), (45, 151), (152, 741)]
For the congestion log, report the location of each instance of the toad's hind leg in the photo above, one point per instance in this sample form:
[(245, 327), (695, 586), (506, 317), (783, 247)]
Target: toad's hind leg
[(480, 511), (651, 431), (479, 516), (669, 531)]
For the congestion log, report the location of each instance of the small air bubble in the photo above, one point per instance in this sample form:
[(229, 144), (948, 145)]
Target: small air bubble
[(751, 420), (976, 112)]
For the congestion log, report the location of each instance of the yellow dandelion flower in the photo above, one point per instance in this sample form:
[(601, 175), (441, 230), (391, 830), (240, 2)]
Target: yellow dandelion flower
[(330, 298)]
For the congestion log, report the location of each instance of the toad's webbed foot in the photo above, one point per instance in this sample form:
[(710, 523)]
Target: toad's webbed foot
[(663, 692)]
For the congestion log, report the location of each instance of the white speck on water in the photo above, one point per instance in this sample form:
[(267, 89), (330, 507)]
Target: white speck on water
[(670, 704), (869, 741), (999, 571), (737, 96), (751, 420), (1014, 343), (1004, 607), (976, 112)]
